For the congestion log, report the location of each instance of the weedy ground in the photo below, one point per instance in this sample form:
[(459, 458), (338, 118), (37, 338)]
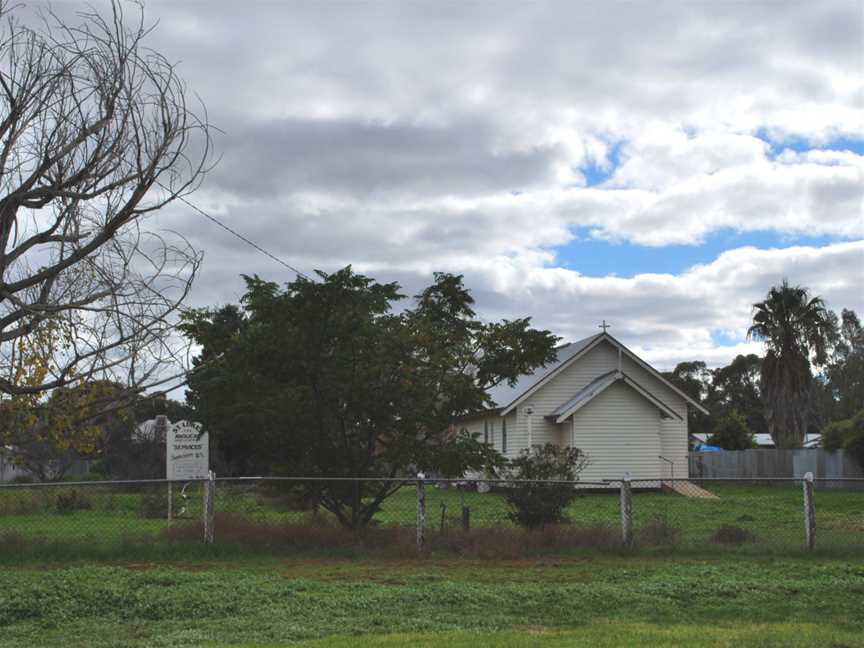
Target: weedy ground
[(103, 568), (110, 519), (730, 600)]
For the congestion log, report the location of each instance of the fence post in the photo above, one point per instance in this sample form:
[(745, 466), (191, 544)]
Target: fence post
[(421, 510), (626, 511), (809, 512), (466, 513), (356, 502), (161, 432), (209, 508)]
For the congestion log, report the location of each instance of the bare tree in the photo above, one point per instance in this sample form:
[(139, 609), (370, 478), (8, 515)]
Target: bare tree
[(95, 135)]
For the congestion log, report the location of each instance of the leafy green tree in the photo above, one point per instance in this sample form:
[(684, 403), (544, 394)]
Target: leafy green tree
[(794, 327), (848, 435), (323, 378), (696, 380), (844, 375), (736, 387), (71, 424), (721, 390), (732, 433), (534, 501)]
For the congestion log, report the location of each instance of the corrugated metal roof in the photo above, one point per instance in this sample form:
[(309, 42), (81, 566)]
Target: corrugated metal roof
[(502, 395), (763, 440)]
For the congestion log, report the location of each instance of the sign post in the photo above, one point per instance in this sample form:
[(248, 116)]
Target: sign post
[(187, 458), (161, 433), (187, 452)]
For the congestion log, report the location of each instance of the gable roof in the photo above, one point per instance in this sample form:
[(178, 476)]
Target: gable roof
[(601, 384), (586, 394), (506, 397), (656, 374), (503, 394)]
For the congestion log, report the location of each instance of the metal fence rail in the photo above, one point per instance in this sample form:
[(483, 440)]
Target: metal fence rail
[(450, 515)]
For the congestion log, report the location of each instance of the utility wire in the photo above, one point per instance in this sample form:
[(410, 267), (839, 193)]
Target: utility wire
[(205, 363), (245, 239)]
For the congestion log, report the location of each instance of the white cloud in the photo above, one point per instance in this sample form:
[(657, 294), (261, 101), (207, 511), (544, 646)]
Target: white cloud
[(669, 318), (406, 138)]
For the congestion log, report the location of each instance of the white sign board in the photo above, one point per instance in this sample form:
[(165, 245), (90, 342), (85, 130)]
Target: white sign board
[(187, 452)]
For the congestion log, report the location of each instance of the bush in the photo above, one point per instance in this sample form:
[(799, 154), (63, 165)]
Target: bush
[(855, 446), (533, 501), (834, 434), (732, 433), (847, 435), (729, 534), (72, 500)]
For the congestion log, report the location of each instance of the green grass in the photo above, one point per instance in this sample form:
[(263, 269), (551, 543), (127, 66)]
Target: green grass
[(609, 602), (617, 635), (693, 594), (771, 515)]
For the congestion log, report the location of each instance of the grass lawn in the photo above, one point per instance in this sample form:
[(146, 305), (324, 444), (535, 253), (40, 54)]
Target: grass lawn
[(770, 516), (615, 635), (610, 602)]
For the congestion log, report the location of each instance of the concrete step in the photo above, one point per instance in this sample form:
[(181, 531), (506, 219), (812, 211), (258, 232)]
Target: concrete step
[(688, 489)]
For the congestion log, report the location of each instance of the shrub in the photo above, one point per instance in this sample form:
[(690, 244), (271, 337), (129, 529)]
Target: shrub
[(834, 434), (732, 433), (729, 534), (855, 446), (72, 500), (848, 435), (534, 502)]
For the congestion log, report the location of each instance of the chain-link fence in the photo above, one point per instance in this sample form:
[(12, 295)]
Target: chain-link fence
[(475, 517), (95, 514)]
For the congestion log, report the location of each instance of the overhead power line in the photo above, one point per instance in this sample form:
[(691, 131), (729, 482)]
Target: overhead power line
[(245, 239)]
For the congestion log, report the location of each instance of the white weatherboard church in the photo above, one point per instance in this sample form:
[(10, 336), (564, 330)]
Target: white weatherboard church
[(600, 397)]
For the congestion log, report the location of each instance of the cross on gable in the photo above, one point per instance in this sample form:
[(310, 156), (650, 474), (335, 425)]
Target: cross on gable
[(604, 326)]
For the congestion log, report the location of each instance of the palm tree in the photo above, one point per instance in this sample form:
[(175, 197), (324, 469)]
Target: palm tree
[(795, 328)]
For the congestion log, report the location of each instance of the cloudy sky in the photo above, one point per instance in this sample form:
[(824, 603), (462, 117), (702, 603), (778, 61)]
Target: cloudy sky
[(656, 164)]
